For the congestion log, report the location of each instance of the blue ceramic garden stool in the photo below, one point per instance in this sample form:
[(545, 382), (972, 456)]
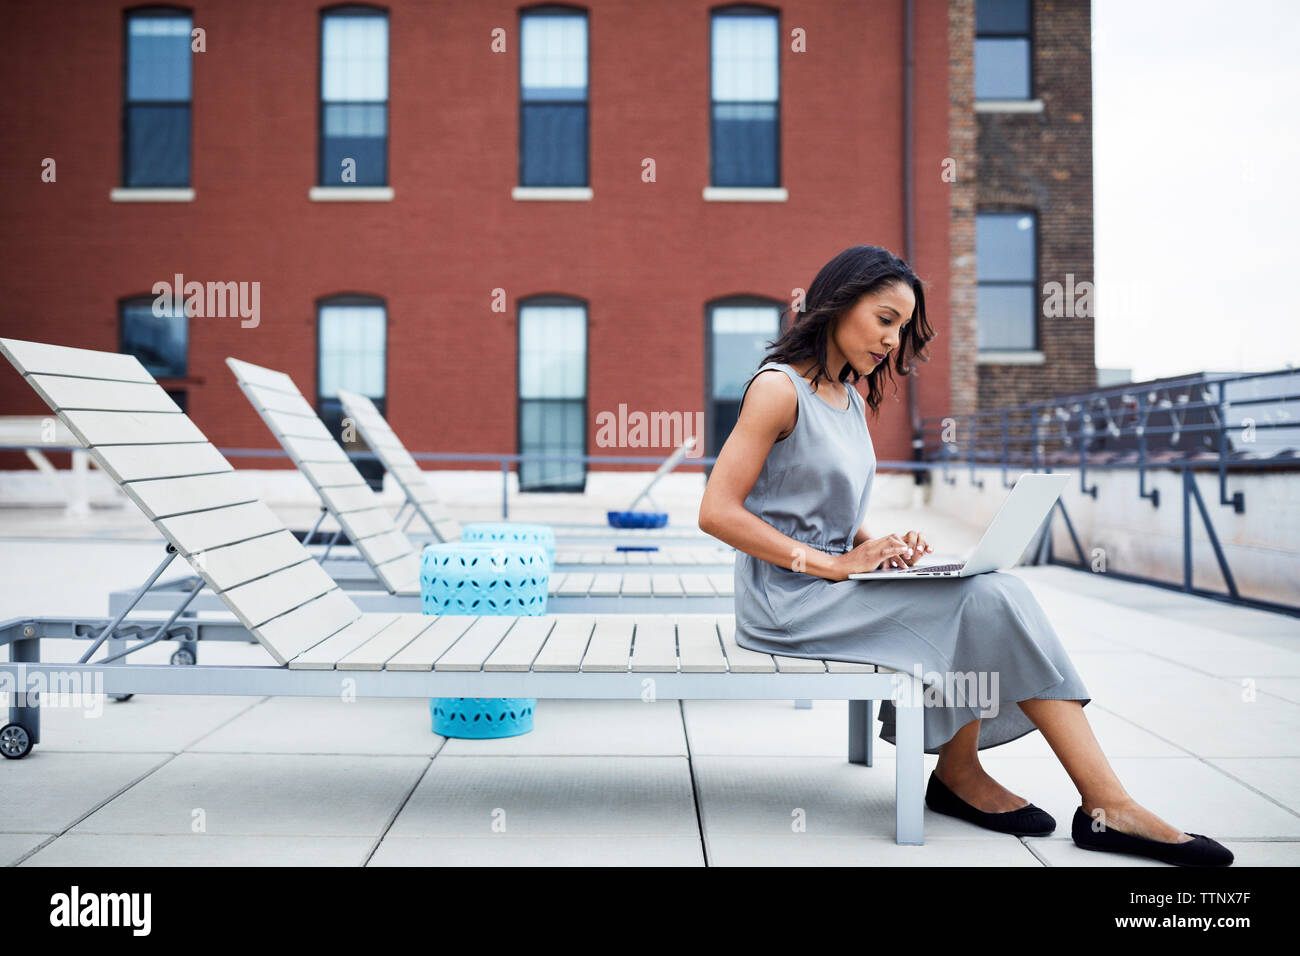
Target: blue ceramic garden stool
[(512, 531), (480, 578)]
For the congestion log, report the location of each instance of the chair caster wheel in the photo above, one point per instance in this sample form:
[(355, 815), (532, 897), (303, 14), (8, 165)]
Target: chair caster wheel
[(15, 741)]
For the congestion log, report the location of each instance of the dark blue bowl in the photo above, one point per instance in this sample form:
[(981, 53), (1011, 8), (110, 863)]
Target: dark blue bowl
[(637, 519)]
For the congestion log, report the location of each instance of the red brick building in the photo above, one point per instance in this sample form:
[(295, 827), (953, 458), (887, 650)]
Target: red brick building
[(501, 221)]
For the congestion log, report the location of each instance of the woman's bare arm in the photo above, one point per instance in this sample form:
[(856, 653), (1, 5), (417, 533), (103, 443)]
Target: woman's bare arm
[(769, 410)]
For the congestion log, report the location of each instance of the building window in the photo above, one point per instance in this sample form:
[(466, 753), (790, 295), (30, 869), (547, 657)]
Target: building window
[(160, 342), (1006, 256), (553, 98), (739, 332), (351, 349), (354, 97), (156, 112), (745, 109), (552, 393), (1002, 50)]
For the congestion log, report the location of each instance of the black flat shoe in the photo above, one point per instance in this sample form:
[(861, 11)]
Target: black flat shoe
[(1025, 821), (1200, 850)]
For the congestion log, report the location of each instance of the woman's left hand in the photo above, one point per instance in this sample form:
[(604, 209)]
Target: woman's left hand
[(920, 548)]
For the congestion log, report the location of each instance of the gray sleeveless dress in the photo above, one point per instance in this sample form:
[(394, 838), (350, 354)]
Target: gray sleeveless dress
[(987, 629)]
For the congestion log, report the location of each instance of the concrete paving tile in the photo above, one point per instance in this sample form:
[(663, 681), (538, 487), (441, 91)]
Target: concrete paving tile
[(1206, 716), (827, 796), (14, 845), (327, 725), (263, 794), (1244, 852), (48, 790), (551, 796), (576, 727), (145, 723), (1183, 791), (802, 849), (1278, 777), (504, 850), (201, 849), (771, 727)]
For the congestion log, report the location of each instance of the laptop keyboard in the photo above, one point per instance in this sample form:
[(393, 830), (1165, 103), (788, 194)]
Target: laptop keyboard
[(934, 567)]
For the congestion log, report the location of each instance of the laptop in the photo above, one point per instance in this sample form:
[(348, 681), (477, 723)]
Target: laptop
[(1004, 541)]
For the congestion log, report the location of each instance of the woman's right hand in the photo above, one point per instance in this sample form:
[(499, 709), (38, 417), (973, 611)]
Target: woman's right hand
[(869, 555)]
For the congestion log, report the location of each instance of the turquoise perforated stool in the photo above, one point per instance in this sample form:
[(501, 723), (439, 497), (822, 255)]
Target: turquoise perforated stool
[(480, 578), (512, 531)]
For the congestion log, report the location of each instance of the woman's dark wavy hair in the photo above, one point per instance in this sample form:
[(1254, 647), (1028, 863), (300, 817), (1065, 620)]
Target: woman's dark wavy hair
[(852, 274)]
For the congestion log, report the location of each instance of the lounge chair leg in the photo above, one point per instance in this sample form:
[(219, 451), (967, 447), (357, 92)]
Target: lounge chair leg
[(860, 741), (25, 709), (909, 784)]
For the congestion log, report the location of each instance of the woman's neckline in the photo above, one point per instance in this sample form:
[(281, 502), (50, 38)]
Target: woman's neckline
[(808, 385)]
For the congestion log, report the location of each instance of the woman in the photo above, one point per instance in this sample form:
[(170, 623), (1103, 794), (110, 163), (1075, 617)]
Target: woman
[(789, 492)]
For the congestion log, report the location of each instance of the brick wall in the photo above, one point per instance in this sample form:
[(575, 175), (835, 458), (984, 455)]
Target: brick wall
[(962, 198), (1043, 161)]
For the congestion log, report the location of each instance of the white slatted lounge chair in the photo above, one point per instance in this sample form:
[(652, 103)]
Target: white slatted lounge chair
[(280, 597)]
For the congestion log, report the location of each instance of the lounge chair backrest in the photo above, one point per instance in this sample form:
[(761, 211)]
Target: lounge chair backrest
[(342, 489), (392, 454), (187, 488)]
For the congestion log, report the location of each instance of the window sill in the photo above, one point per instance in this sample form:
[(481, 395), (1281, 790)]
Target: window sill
[(1008, 106), (151, 194), (745, 194), (1011, 357), (553, 193), (350, 194)]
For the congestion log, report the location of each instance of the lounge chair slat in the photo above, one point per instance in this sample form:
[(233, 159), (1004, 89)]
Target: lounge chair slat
[(162, 497), (314, 449), (697, 585), (290, 634), (63, 392), (37, 357), (347, 498), (654, 645), (666, 585), (233, 564), (272, 400), (636, 585), (446, 529), (401, 575), (610, 649), (698, 644), (131, 428), (742, 660), (211, 529), (299, 426), (364, 524), (519, 647), (849, 667), (723, 582), (476, 644), (330, 474), (142, 462), (421, 653), (566, 644), (576, 584), (258, 601), (374, 653), (323, 656), (605, 584), (381, 548), (264, 377)]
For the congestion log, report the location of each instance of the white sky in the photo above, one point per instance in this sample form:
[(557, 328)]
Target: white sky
[(1196, 145)]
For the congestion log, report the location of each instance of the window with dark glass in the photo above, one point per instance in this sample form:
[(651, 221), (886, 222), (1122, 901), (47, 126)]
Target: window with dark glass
[(159, 338), (352, 343), (739, 333), (552, 393), (1006, 265), (745, 101), (156, 111), (553, 97), (354, 97), (1002, 50)]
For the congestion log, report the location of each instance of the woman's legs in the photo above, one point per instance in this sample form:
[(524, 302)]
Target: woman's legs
[(1070, 736)]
